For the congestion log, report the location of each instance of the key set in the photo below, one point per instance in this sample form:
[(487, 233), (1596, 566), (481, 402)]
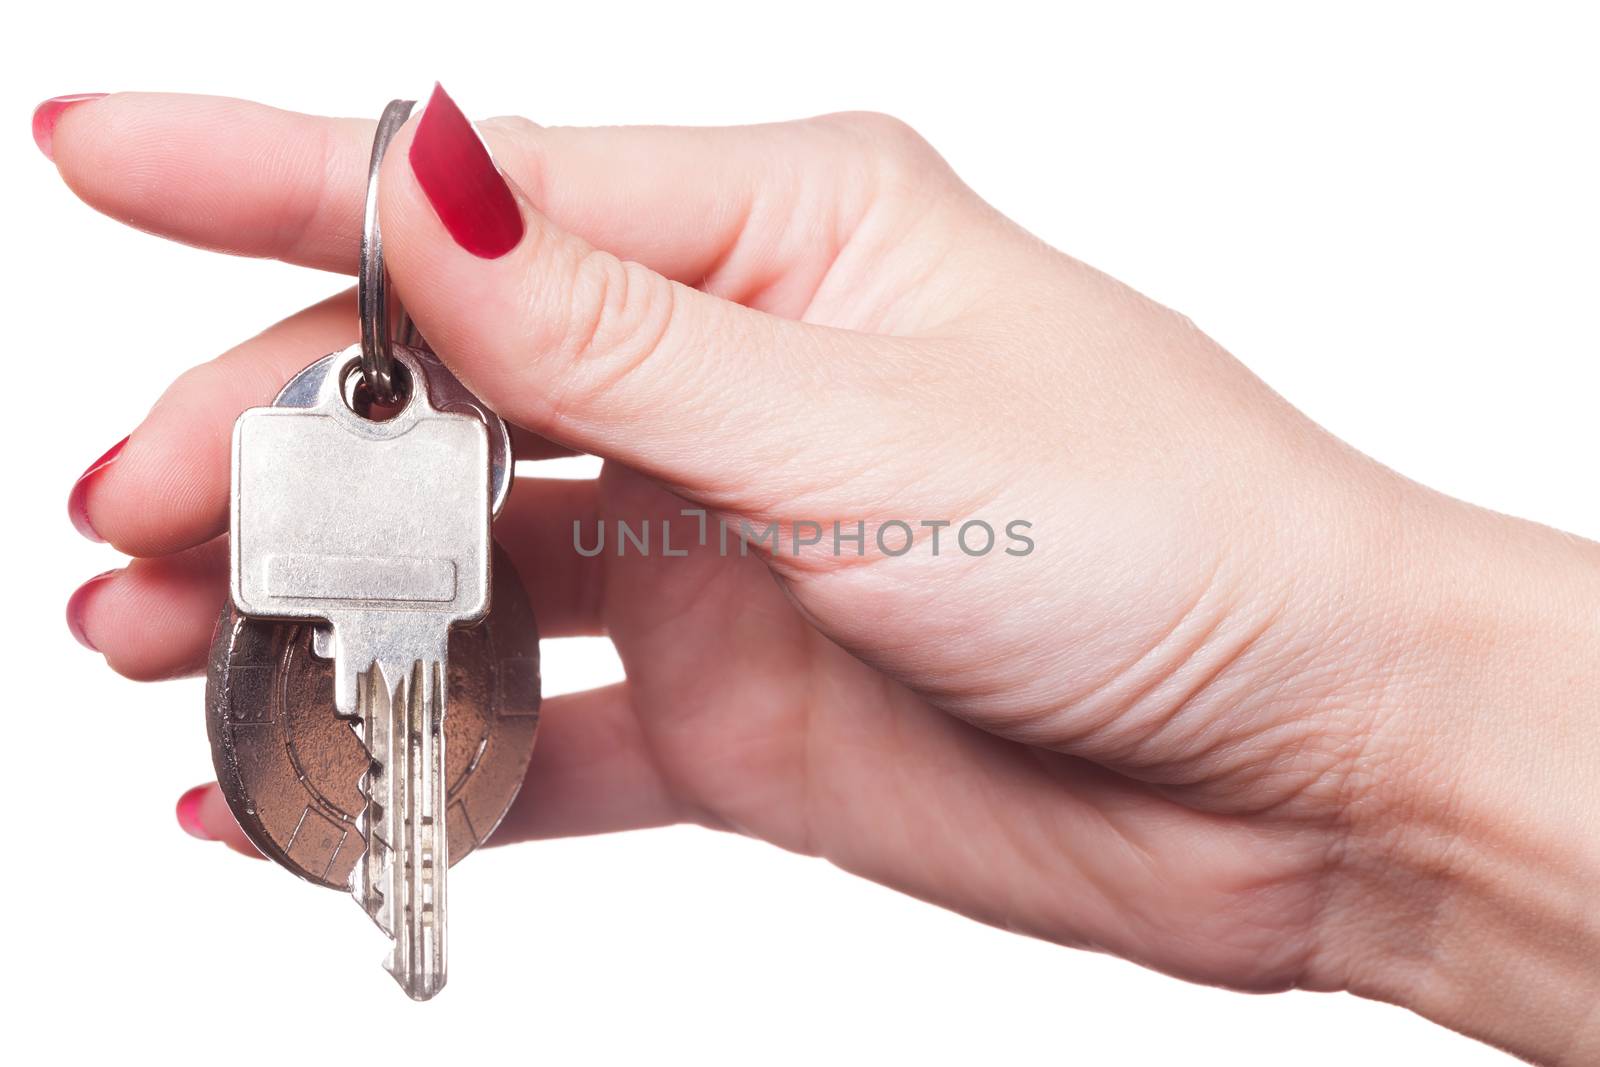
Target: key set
[(362, 574)]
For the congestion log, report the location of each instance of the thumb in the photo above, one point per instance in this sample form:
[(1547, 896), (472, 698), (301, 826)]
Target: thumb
[(603, 355)]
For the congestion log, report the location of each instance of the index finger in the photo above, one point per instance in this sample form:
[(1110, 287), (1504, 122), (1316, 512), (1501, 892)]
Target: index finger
[(711, 207)]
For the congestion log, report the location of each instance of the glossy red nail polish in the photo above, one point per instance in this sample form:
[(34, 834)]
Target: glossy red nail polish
[(78, 605), (78, 499), (461, 182), (47, 114), (189, 812)]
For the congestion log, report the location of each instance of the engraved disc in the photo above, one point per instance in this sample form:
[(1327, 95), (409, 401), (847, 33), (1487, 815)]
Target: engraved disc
[(290, 768)]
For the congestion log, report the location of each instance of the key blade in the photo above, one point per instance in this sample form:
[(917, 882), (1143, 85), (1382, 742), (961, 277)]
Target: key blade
[(401, 880)]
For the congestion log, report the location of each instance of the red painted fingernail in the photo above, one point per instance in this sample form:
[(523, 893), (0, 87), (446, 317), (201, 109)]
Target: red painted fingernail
[(78, 499), (47, 114), (461, 182), (189, 812), (78, 605)]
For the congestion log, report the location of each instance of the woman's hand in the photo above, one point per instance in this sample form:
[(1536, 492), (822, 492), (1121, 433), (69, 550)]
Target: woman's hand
[(1239, 703)]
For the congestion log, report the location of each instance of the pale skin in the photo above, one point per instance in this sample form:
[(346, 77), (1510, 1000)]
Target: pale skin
[(1256, 711)]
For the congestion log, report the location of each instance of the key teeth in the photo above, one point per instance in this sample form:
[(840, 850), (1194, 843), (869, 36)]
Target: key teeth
[(401, 725), (367, 879)]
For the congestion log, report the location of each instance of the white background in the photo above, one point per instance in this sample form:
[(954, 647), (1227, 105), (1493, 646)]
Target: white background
[(1388, 211)]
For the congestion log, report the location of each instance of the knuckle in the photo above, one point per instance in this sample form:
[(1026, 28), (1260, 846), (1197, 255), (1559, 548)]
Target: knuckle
[(611, 306), (885, 137), (303, 205), (889, 155), (620, 314), (191, 400), (192, 384)]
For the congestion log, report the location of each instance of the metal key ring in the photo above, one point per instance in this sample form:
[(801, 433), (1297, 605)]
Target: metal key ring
[(372, 278)]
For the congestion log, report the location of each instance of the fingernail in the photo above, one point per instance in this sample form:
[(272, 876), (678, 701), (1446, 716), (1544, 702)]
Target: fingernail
[(189, 812), (78, 606), (47, 114), (461, 182), (78, 499)]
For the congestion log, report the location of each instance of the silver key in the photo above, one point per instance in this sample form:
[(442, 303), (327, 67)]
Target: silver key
[(381, 529)]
